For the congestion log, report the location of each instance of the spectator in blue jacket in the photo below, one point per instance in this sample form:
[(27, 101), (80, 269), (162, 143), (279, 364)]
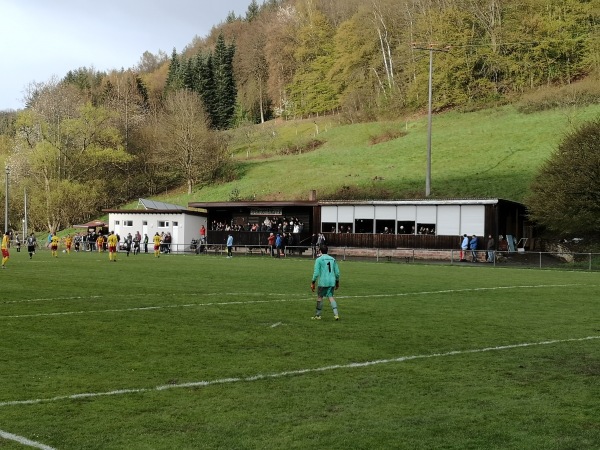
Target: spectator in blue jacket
[(473, 247), (279, 245)]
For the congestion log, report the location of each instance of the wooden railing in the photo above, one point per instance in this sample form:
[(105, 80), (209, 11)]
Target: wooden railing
[(361, 240)]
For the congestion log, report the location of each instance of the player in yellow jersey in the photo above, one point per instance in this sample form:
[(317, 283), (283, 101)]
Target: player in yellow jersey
[(5, 245), (112, 242), (100, 243), (68, 243), (156, 240), (54, 240)]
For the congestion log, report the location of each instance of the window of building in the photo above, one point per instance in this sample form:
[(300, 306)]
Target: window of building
[(406, 227), (385, 226), (345, 227), (426, 228), (163, 224), (363, 226), (128, 223), (328, 227)]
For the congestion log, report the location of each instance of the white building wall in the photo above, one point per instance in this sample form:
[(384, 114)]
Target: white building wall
[(346, 214), (329, 214), (183, 227), (385, 212), (448, 220), (406, 213), (427, 214), (472, 220)]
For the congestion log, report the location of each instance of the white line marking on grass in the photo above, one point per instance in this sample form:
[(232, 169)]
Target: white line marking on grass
[(142, 308), (31, 300), (151, 294), (276, 324), (250, 302), (197, 384), (23, 441), (450, 291)]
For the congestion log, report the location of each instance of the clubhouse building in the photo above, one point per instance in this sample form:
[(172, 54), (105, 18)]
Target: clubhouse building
[(433, 224)]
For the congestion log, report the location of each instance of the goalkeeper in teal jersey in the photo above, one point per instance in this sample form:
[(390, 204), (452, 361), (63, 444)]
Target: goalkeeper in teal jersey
[(328, 274)]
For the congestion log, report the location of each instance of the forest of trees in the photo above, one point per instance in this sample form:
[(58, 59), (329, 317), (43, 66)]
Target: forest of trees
[(92, 140)]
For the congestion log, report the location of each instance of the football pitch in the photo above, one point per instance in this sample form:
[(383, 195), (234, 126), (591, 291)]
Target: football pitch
[(205, 352)]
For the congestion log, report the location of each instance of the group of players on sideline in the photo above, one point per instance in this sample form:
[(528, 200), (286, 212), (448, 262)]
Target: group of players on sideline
[(91, 242)]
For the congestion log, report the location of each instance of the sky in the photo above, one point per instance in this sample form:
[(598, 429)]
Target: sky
[(40, 39)]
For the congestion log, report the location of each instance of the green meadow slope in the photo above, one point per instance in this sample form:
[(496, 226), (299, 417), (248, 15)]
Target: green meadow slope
[(488, 153)]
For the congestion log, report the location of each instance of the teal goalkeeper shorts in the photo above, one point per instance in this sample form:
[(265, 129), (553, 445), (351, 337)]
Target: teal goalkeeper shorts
[(325, 291)]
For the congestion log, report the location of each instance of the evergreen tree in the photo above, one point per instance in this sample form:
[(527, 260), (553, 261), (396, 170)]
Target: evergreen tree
[(190, 74), (252, 12), (231, 17), (175, 79), (224, 84), (270, 5), (142, 91), (206, 87)]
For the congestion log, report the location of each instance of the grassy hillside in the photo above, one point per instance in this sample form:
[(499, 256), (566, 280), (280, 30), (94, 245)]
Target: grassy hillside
[(488, 153)]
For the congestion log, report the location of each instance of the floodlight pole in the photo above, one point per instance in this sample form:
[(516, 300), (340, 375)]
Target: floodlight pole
[(7, 170), (428, 176), (431, 48), (25, 213)]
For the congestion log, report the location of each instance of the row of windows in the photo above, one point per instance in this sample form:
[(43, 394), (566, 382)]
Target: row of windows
[(159, 224), (379, 227), (446, 220)]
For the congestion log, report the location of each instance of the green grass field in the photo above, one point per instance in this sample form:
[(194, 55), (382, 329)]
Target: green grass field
[(494, 152), (190, 352)]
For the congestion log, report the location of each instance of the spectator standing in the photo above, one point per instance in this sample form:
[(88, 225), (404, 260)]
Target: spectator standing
[(327, 272), (313, 245), (166, 242), (128, 243), (278, 244), (230, 245), (145, 243), (490, 249), (271, 240), (473, 247), (289, 243), (464, 247), (321, 240), (136, 243), (92, 241)]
